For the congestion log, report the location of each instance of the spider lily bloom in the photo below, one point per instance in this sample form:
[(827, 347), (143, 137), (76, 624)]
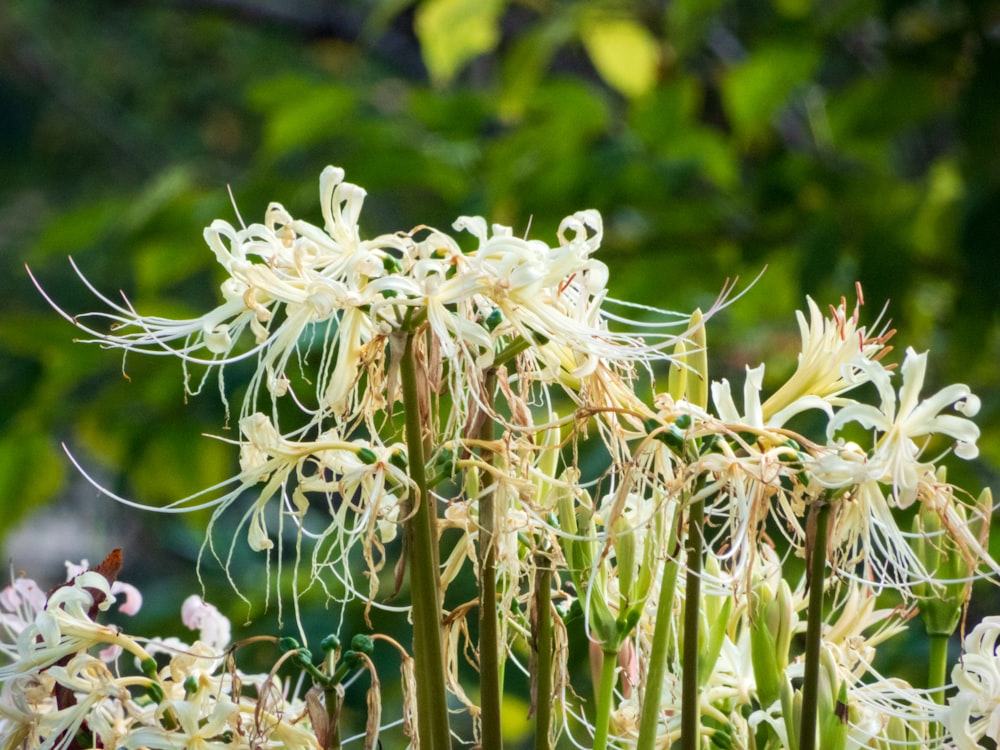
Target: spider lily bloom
[(974, 712), (203, 722), (755, 417), (213, 627), (900, 422), (99, 701), (284, 277), (359, 483), (827, 365), (64, 627), (20, 602)]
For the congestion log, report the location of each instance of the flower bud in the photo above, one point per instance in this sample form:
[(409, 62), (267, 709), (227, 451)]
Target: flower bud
[(941, 604), (833, 706)]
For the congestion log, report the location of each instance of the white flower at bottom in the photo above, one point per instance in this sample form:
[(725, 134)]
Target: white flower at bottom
[(974, 713)]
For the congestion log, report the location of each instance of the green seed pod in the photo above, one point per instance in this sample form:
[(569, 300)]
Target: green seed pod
[(330, 643), (303, 656), (363, 644), (148, 667), (399, 460), (287, 643), (155, 692), (494, 319)]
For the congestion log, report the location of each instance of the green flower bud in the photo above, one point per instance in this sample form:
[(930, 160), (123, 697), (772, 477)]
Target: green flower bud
[(833, 706), (471, 483), (190, 685), (763, 647), (677, 376), (791, 712), (548, 463), (623, 541), (941, 604), (696, 387)]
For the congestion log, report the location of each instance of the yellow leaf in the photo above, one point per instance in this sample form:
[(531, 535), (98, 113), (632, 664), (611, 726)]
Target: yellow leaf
[(453, 32), (624, 52)]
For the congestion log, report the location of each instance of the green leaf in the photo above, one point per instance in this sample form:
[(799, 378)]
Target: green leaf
[(453, 32), (624, 52), (524, 65), (757, 90), (299, 112), (31, 473)]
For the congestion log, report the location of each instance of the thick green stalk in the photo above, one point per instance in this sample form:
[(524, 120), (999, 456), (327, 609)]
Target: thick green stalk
[(605, 698), (937, 673), (694, 549), (817, 567), (649, 718), (491, 687), (937, 670), (425, 582), (542, 673)]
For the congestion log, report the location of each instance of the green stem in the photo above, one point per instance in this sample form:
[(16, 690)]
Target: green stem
[(605, 697), (694, 549), (425, 582), (542, 673), (649, 718), (333, 705), (937, 672), (820, 509), (491, 686)]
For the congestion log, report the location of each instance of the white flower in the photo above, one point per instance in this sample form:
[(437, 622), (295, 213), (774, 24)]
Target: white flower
[(831, 349), (202, 723), (20, 602), (900, 422), (213, 627), (755, 416), (974, 713)]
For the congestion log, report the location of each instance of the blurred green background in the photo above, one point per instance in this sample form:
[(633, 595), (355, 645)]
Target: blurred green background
[(831, 142)]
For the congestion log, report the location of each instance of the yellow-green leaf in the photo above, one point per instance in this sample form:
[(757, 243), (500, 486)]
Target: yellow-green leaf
[(624, 52), (453, 32)]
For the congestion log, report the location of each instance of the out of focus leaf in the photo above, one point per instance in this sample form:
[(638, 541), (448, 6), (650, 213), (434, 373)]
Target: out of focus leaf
[(298, 112), (525, 65), (453, 32), (757, 90), (625, 53), (32, 471)]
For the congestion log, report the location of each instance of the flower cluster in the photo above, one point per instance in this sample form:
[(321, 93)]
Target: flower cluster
[(729, 565), (74, 683)]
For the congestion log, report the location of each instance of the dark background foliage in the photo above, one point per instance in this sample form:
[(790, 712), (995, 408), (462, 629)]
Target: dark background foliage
[(829, 142)]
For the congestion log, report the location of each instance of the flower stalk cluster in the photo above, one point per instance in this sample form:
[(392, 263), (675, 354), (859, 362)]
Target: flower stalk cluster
[(733, 568)]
